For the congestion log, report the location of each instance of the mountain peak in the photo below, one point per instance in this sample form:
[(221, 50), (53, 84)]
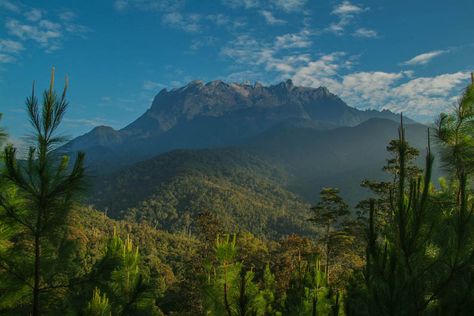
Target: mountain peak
[(216, 113)]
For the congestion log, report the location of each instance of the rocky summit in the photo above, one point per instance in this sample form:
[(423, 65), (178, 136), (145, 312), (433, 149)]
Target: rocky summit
[(219, 114)]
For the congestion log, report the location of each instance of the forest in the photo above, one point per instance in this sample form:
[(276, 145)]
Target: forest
[(408, 249)]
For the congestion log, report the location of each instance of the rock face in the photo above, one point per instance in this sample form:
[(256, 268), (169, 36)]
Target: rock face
[(216, 113)]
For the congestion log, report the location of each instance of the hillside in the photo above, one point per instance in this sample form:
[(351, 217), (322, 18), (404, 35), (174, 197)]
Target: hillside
[(265, 186), (340, 157), (170, 190)]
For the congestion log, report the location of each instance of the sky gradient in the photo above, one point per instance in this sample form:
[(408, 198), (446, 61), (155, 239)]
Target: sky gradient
[(410, 56)]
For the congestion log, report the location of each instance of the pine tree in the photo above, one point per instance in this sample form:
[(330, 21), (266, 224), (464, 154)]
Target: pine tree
[(309, 293), (455, 135), (3, 134), (230, 288), (331, 214), (119, 284), (41, 192), (423, 262), (381, 190), (98, 305)]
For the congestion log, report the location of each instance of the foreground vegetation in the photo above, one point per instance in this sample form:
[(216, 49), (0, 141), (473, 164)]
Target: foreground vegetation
[(407, 250)]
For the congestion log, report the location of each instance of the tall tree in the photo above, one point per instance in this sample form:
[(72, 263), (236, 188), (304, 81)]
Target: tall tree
[(120, 287), (42, 191), (382, 190), (331, 214), (455, 134), (423, 262), (3, 134)]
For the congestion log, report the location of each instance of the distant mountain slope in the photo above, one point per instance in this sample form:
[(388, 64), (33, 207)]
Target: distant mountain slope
[(216, 114), (265, 186), (341, 157), (170, 190)]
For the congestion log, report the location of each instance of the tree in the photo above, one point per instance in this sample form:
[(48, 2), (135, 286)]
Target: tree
[(382, 190), (229, 288), (3, 134), (455, 134), (423, 262), (309, 293), (332, 215), (120, 286), (41, 192)]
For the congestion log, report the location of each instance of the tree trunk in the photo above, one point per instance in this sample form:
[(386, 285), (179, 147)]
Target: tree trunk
[(36, 287), (315, 304), (226, 300), (327, 254)]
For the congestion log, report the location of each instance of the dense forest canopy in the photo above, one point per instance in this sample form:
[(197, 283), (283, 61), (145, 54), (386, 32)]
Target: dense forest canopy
[(223, 236)]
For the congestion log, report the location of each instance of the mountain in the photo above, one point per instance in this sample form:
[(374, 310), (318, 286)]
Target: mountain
[(217, 114), (169, 191), (265, 186), (254, 156), (340, 157)]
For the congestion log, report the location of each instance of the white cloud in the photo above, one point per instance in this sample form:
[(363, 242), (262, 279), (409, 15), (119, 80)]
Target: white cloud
[(284, 5), (9, 6), (92, 122), (346, 12), (9, 46), (149, 5), (218, 19), (201, 42), (242, 3), (67, 15), (270, 18), (427, 96), (320, 72), (424, 58), (420, 98), (346, 8), (33, 24), (188, 23), (34, 15), (290, 5), (46, 33), (152, 86), (292, 41), (8, 50), (245, 76), (4, 58), (363, 32)]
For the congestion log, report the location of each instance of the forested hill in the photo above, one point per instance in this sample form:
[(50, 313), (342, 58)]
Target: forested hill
[(265, 186), (171, 190)]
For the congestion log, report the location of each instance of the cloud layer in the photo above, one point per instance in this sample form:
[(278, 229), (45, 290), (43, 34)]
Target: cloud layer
[(424, 58), (31, 25)]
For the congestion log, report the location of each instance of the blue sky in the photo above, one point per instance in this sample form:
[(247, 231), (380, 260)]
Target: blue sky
[(410, 56)]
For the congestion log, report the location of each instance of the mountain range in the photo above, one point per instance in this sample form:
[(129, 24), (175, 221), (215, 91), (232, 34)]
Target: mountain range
[(256, 156), (218, 114)]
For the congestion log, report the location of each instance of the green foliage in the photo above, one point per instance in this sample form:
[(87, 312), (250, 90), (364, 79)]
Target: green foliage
[(57, 257), (170, 191), (118, 276), (99, 305), (231, 289), (309, 292), (39, 196), (332, 216), (455, 133), (423, 262), (3, 134)]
